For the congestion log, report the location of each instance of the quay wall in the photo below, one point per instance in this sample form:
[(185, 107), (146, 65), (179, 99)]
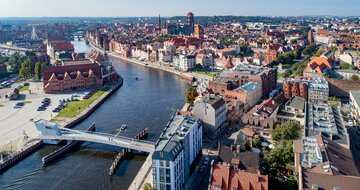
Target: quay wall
[(19, 156)]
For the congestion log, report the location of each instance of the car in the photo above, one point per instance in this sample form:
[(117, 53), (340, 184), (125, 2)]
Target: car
[(206, 161), (41, 108), (17, 106), (26, 84), (56, 110)]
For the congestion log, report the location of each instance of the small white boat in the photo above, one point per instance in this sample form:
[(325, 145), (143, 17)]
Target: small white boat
[(123, 127)]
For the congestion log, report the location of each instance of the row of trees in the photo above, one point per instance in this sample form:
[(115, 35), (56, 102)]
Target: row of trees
[(24, 65), (280, 160)]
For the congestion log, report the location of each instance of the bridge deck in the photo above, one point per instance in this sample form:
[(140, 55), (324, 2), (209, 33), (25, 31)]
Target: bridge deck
[(110, 139)]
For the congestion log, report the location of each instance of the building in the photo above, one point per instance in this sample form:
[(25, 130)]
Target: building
[(262, 117), (212, 111), (317, 67), (176, 152), (199, 32), (239, 158), (48, 128), (185, 62), (355, 105), (190, 23), (242, 74), (346, 74), (205, 60), (322, 164), (350, 58), (326, 121), (318, 91), (310, 36), (323, 37), (249, 93), (294, 111), (72, 76), (228, 178), (295, 87), (59, 50)]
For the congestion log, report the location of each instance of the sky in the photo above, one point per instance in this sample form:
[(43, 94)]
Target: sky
[(123, 8)]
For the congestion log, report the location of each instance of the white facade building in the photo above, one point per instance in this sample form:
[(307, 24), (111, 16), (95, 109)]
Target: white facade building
[(176, 151), (185, 62)]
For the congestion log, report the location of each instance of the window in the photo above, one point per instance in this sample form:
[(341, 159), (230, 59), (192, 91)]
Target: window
[(216, 187)]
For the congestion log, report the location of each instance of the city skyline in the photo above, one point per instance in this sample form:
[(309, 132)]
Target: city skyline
[(120, 8)]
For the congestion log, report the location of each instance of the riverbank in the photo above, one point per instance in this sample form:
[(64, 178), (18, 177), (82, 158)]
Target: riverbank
[(71, 122), (158, 65)]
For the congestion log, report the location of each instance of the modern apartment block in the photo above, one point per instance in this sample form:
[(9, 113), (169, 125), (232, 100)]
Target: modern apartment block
[(176, 152)]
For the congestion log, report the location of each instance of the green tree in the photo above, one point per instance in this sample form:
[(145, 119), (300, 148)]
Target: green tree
[(310, 49), (25, 70), (38, 70), (256, 142), (354, 77), (148, 186), (14, 62), (345, 66), (190, 95), (287, 131)]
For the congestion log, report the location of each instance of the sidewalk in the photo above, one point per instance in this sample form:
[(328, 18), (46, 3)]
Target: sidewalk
[(144, 175)]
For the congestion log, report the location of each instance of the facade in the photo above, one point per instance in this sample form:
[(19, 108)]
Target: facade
[(295, 87), (190, 23), (185, 62), (318, 91), (250, 94), (199, 32), (72, 76), (320, 163), (211, 110), (355, 105), (229, 178), (176, 152), (294, 110), (242, 74)]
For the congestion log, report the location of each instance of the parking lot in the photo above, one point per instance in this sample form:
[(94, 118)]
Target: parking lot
[(16, 122)]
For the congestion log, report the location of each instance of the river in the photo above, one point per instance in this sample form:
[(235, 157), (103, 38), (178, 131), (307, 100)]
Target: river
[(145, 103)]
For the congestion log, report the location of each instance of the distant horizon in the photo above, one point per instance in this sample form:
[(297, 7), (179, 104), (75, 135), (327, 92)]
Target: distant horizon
[(146, 8)]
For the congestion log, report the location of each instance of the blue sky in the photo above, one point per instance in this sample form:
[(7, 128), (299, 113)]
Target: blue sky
[(36, 8)]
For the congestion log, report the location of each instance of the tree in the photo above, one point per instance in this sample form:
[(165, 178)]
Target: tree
[(256, 142), (38, 70), (190, 95), (148, 186), (310, 49), (345, 66), (25, 70), (354, 77), (287, 131), (14, 62)]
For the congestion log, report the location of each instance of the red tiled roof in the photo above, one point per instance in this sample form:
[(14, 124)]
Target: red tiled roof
[(63, 46)]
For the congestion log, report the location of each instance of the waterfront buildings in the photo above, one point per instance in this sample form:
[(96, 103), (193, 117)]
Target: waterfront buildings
[(355, 105), (176, 152), (212, 111), (185, 62), (320, 163), (59, 50), (72, 76), (225, 177)]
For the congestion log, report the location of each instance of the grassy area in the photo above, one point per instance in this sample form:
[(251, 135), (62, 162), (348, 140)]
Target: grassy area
[(1, 105), (24, 88), (280, 75), (74, 108), (27, 102), (206, 73)]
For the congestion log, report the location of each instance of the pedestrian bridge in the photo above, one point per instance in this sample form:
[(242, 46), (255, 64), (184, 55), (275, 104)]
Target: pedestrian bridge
[(89, 136)]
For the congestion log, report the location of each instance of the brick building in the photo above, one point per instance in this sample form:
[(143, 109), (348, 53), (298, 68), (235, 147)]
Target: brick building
[(78, 75), (295, 87)]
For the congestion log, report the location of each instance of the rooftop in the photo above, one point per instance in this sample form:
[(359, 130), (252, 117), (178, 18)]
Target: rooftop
[(249, 86), (170, 144), (246, 69), (356, 95), (296, 102)]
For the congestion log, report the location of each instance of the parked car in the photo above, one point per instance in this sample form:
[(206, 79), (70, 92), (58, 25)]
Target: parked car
[(202, 169), (206, 161)]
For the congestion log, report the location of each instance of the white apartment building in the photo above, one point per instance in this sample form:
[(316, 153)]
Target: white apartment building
[(185, 62), (176, 152)]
